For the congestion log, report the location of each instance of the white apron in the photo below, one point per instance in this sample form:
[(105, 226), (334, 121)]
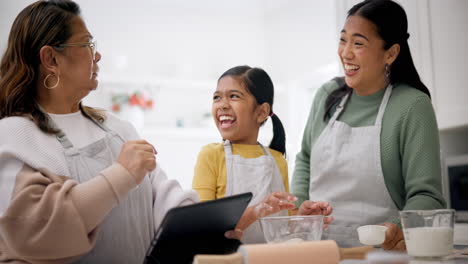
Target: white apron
[(346, 170), (260, 176), (126, 232)]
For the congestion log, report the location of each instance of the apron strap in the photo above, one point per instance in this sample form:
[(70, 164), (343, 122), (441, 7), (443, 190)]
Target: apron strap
[(383, 105), (265, 149), (227, 147), (339, 109), (63, 139), (60, 136)]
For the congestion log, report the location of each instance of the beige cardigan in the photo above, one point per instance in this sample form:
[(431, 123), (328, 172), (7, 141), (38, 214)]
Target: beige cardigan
[(51, 218)]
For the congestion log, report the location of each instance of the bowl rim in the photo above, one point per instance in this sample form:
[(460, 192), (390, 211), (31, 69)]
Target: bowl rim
[(289, 217), (427, 212), (367, 227)]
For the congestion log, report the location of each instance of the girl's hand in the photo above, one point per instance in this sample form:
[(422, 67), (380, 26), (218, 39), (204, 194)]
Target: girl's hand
[(274, 203), (271, 204), (317, 208)]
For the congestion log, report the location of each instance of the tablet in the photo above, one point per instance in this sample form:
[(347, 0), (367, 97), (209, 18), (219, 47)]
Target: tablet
[(197, 229)]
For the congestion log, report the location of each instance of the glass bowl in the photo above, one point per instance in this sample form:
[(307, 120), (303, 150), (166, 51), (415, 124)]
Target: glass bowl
[(295, 228)]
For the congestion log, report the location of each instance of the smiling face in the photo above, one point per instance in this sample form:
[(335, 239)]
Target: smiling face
[(363, 56), (235, 112), (77, 68)]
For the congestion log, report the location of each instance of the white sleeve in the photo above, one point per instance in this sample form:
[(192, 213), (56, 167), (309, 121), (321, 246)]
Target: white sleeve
[(168, 194), (9, 168)]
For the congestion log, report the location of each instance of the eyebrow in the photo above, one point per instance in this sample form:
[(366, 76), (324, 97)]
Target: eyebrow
[(87, 35), (356, 35), (230, 91)]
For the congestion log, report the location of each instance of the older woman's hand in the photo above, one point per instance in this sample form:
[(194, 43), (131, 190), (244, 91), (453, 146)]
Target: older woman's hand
[(138, 157)]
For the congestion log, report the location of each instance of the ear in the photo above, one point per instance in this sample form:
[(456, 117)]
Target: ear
[(48, 57), (263, 111), (392, 53)]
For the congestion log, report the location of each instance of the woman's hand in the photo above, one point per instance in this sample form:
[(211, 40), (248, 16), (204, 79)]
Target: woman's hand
[(317, 208), (394, 239), (138, 157)]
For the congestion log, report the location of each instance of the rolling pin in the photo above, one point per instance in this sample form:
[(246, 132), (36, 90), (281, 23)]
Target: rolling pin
[(323, 252)]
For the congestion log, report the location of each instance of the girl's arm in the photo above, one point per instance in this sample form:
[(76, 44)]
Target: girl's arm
[(205, 174)]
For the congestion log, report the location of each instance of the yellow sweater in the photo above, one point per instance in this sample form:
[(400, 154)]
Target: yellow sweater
[(210, 171)]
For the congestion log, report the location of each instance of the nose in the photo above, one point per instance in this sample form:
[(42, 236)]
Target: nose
[(346, 51), (97, 56), (222, 103)]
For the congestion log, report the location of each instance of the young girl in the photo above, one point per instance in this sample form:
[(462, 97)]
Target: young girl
[(242, 102)]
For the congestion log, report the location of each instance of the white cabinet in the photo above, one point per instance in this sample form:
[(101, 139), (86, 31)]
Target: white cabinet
[(449, 35)]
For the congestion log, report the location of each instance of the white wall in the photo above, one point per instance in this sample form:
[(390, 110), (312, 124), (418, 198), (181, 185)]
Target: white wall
[(178, 48)]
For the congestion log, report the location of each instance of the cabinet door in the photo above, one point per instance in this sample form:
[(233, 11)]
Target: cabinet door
[(449, 35)]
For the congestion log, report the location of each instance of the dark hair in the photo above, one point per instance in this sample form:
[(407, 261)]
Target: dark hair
[(392, 26), (259, 84), (42, 23)]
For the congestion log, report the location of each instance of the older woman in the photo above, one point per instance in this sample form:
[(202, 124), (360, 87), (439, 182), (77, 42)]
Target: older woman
[(371, 143), (68, 173)]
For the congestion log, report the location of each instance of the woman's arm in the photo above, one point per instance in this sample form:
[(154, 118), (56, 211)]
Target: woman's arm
[(421, 167), (420, 153), (167, 194), (301, 176), (51, 218)]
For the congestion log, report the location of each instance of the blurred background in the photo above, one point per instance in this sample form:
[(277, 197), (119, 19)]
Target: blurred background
[(161, 60)]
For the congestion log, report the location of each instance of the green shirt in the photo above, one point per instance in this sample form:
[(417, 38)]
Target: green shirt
[(410, 150)]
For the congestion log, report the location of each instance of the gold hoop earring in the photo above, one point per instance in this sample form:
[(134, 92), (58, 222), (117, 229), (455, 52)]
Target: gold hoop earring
[(53, 86)]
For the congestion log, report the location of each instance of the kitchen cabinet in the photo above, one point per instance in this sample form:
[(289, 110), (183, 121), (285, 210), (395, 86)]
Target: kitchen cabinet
[(449, 39)]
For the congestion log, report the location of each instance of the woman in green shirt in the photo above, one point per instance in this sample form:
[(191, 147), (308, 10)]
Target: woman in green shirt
[(371, 145)]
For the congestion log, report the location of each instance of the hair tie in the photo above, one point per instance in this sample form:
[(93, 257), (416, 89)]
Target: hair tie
[(272, 114)]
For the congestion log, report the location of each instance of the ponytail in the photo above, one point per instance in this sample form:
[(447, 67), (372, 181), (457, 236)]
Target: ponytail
[(278, 142)]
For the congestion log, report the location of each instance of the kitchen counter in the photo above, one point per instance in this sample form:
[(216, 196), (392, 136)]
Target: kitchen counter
[(456, 259)]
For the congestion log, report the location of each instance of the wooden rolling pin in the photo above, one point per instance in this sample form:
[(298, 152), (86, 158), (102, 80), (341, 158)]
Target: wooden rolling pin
[(323, 252)]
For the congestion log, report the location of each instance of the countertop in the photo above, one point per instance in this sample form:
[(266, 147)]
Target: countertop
[(453, 259)]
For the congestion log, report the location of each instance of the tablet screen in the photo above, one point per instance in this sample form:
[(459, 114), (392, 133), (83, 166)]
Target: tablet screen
[(197, 229)]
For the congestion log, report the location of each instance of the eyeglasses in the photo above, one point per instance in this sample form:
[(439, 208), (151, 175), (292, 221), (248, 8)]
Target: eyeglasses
[(91, 45)]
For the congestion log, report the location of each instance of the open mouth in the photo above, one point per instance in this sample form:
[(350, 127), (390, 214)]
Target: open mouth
[(351, 69), (226, 121)]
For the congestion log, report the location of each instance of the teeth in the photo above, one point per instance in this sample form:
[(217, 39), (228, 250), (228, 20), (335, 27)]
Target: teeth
[(350, 67), (224, 117)]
